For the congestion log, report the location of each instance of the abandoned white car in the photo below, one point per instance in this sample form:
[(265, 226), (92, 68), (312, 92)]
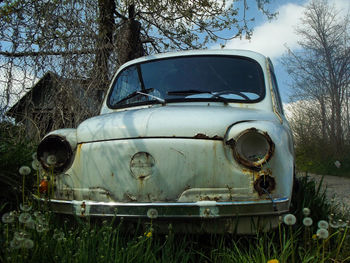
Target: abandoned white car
[(197, 139)]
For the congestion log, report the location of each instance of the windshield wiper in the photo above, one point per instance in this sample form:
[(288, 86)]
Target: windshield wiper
[(162, 101), (194, 91), (135, 93), (214, 94)]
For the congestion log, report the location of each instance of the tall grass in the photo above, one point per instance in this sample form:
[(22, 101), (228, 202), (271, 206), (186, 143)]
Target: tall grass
[(67, 239), (15, 151)]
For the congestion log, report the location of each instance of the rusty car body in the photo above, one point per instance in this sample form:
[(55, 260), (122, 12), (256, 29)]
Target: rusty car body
[(197, 139)]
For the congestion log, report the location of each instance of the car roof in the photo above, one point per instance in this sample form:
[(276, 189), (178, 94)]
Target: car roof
[(228, 52)]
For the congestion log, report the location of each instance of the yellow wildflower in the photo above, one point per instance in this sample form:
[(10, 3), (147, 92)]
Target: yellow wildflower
[(314, 237), (273, 261), (148, 234)]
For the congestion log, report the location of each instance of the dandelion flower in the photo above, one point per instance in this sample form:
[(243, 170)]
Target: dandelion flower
[(289, 219), (25, 207), (322, 233), (307, 221), (7, 218), (306, 211), (24, 218), (28, 243), (51, 159), (148, 234), (314, 236), (24, 170), (323, 224), (273, 261)]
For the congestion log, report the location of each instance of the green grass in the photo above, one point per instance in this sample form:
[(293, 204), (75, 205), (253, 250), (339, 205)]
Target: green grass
[(69, 239)]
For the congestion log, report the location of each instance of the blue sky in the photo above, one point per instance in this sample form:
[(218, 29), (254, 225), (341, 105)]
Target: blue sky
[(271, 37)]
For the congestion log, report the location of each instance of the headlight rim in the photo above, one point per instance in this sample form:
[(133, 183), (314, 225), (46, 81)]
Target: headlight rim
[(60, 166), (257, 165)]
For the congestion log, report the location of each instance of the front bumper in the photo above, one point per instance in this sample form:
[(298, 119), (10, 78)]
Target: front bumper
[(195, 210)]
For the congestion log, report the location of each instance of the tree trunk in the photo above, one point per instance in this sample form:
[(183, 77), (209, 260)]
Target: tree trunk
[(104, 44), (129, 42)]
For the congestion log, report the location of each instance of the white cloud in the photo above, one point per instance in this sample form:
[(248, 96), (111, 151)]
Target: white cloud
[(271, 37)]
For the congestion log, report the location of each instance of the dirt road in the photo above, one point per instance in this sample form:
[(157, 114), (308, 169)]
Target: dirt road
[(337, 187)]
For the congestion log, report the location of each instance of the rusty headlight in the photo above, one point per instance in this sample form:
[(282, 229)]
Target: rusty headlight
[(55, 152), (253, 148)]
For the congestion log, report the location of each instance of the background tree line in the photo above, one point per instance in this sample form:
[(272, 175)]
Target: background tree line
[(320, 70)]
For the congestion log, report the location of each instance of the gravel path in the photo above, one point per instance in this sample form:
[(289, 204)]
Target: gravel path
[(337, 187)]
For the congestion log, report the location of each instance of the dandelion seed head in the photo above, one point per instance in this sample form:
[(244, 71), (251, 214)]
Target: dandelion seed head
[(51, 159), (24, 170), (306, 211), (322, 233), (307, 221), (7, 218), (25, 207), (34, 156), (331, 216), (289, 219), (21, 235), (24, 217), (323, 224), (28, 243), (341, 223), (152, 213), (59, 236), (36, 165), (333, 224), (41, 228), (15, 244)]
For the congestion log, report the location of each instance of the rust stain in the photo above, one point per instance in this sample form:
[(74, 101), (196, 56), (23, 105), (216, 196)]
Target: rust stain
[(256, 165), (201, 136), (264, 184), (204, 136), (210, 198), (79, 149)]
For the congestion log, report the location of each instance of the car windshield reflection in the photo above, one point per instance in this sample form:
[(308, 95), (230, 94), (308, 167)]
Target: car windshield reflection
[(194, 78)]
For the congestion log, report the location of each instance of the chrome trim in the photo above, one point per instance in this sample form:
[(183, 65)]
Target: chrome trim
[(201, 209)]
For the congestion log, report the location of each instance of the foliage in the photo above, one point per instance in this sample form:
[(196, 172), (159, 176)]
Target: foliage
[(15, 151), (317, 158)]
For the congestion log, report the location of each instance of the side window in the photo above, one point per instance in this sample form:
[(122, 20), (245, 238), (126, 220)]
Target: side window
[(276, 92), (127, 83)]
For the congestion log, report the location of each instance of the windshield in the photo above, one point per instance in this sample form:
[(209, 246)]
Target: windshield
[(196, 78)]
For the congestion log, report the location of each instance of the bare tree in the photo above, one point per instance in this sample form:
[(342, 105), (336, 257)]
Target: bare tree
[(321, 69)]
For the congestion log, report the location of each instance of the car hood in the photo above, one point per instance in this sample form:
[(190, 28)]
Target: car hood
[(175, 121)]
